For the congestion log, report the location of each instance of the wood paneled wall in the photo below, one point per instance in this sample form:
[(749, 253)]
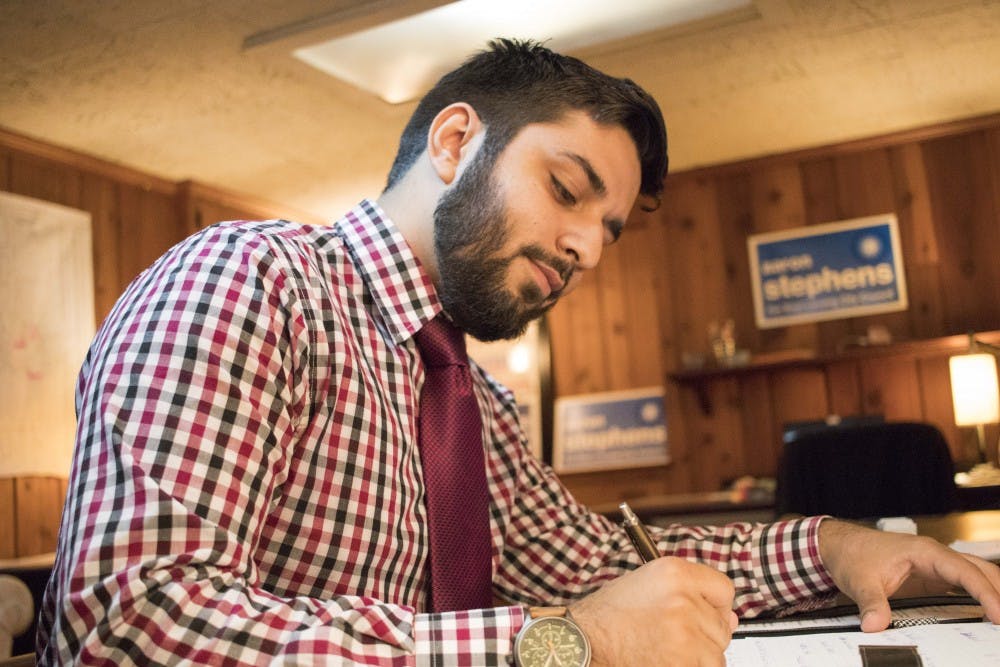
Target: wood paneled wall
[(30, 509), (674, 271), (685, 265), (135, 218)]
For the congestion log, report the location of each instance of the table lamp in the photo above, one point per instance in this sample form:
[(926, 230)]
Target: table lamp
[(974, 390)]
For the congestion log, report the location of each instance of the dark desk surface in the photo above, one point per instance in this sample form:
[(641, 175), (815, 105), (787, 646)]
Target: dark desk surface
[(754, 505), (650, 507)]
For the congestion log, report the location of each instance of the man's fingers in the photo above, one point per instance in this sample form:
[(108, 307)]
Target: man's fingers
[(709, 592), (714, 586), (716, 625), (869, 566), (668, 611), (992, 574), (980, 579), (873, 606)]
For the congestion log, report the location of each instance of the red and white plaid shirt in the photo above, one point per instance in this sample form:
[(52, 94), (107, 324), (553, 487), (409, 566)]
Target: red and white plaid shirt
[(247, 489)]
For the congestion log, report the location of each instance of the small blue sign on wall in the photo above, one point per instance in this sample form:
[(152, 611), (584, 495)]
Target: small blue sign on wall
[(622, 429), (827, 272)]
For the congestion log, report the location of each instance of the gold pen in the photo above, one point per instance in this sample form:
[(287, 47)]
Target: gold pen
[(638, 534)]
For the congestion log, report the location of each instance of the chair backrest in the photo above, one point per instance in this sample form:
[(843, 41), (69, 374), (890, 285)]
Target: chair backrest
[(866, 470), (792, 430)]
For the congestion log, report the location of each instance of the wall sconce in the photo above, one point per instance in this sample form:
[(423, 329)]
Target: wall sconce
[(974, 389)]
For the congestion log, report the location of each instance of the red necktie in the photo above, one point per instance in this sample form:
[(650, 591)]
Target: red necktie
[(451, 450)]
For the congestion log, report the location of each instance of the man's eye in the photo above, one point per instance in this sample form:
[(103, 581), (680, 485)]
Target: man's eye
[(562, 193)]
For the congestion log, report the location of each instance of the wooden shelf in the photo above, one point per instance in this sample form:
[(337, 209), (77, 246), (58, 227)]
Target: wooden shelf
[(699, 378)]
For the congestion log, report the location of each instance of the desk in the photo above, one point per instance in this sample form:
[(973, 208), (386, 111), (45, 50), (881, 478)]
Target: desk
[(976, 526), (720, 507)]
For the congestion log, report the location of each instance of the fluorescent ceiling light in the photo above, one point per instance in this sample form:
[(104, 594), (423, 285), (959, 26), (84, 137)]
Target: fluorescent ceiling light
[(399, 61)]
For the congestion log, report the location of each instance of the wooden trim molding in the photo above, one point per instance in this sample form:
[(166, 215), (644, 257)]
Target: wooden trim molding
[(911, 135), (85, 162), (193, 191)]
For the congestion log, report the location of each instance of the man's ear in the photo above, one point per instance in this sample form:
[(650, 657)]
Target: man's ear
[(450, 139)]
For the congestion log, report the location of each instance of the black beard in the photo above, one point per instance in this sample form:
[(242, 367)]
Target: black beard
[(470, 230)]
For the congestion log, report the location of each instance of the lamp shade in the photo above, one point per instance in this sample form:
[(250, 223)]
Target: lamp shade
[(974, 391)]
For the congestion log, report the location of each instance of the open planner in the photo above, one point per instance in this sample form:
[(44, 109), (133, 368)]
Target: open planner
[(940, 631)]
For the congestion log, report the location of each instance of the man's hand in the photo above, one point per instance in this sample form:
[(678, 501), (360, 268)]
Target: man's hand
[(869, 566), (668, 612)]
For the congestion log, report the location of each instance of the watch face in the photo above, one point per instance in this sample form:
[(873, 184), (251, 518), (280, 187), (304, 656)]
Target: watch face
[(551, 641)]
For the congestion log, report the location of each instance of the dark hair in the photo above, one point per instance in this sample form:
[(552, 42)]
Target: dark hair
[(515, 83)]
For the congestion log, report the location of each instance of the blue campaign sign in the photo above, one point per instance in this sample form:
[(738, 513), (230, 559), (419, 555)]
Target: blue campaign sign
[(826, 272), (624, 429)]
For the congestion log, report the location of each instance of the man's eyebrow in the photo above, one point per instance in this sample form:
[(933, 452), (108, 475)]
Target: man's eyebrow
[(596, 182)]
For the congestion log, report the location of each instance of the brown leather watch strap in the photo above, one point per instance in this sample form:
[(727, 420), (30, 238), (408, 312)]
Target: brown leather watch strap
[(542, 612)]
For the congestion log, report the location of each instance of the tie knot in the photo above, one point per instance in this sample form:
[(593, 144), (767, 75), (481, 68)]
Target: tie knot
[(441, 343)]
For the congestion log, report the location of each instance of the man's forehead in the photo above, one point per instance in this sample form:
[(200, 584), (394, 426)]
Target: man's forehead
[(566, 134)]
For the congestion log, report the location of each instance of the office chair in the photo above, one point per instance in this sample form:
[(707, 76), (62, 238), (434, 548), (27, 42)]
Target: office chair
[(792, 430), (866, 470)]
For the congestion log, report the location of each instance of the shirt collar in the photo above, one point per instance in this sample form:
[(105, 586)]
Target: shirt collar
[(402, 292)]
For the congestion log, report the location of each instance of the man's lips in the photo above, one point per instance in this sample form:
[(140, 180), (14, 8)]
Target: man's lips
[(550, 279)]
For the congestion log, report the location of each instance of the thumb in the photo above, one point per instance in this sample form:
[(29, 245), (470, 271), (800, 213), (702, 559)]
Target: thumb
[(874, 609)]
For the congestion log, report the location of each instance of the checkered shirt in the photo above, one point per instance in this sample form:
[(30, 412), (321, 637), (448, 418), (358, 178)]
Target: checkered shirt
[(246, 487)]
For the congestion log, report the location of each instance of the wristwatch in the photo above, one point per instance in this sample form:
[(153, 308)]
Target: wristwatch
[(551, 638)]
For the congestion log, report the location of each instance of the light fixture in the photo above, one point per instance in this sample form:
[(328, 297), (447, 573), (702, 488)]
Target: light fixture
[(519, 358), (402, 59), (974, 389)]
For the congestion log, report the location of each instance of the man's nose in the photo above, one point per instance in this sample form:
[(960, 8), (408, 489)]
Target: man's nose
[(583, 241)]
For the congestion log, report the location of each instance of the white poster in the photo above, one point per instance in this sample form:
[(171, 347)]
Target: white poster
[(47, 299)]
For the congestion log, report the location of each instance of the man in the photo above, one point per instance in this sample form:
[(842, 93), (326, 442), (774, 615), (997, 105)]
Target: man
[(247, 486)]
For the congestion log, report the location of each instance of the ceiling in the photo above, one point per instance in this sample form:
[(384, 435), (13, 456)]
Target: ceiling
[(171, 89)]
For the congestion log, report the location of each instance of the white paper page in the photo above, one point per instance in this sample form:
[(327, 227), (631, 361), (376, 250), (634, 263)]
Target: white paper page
[(967, 644), (988, 549)]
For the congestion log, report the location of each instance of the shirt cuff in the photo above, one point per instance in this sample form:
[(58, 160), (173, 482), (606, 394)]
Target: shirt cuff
[(475, 637), (791, 564)]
